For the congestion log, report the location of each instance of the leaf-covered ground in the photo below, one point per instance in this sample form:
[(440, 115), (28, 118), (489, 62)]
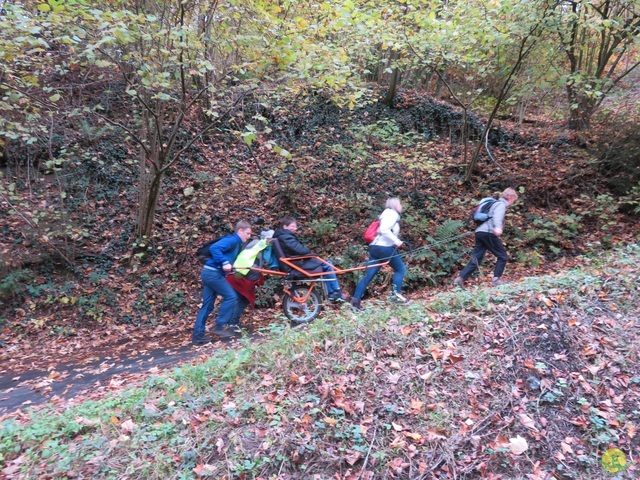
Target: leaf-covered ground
[(536, 379), (115, 299)]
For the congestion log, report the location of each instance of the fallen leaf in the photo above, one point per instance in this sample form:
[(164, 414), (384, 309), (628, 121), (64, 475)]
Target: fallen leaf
[(394, 378), (406, 330), (434, 434), (202, 470), (398, 442), (427, 376), (527, 421), (413, 436), (566, 448), (546, 301), (518, 445), (352, 457), (128, 425), (219, 445)]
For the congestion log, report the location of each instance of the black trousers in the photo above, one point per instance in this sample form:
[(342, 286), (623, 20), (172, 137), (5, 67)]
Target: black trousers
[(486, 241)]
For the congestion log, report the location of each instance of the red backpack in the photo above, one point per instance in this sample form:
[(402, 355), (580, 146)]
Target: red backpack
[(372, 231)]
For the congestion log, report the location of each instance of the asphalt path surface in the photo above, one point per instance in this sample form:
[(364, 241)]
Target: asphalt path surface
[(69, 383)]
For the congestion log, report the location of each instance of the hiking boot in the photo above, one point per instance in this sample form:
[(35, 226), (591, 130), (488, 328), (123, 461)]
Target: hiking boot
[(237, 329), (497, 281), (356, 304), (338, 296), (459, 282), (224, 331), (201, 340), (400, 299)]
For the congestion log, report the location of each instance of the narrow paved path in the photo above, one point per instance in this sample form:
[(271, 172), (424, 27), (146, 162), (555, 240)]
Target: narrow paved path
[(69, 383)]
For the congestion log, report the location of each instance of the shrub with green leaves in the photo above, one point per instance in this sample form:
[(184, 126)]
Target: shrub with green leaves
[(551, 234)]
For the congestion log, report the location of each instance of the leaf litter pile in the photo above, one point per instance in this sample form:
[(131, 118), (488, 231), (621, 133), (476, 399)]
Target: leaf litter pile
[(536, 379)]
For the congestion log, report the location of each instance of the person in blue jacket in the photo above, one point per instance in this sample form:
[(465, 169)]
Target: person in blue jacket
[(214, 272)]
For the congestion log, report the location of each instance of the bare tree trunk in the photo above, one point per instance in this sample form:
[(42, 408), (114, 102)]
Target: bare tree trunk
[(148, 207), (393, 84), (581, 110)]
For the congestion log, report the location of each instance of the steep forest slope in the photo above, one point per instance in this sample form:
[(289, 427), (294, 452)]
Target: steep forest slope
[(75, 282)]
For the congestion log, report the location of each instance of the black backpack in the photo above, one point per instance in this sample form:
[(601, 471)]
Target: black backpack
[(481, 213), (203, 252)]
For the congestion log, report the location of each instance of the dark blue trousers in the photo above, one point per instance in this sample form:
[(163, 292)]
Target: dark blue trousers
[(486, 241)]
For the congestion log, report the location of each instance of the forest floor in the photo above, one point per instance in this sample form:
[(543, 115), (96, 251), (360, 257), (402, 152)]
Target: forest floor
[(445, 388), (91, 364), (538, 379), (64, 371)]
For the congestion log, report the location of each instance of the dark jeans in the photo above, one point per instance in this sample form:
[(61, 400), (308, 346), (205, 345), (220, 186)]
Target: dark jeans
[(378, 254), (214, 284), (241, 304), (312, 264), (332, 284), (486, 241)]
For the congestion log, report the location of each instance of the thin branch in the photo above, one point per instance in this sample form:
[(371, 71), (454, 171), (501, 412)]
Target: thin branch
[(205, 130), (366, 459), (126, 129), (32, 97)]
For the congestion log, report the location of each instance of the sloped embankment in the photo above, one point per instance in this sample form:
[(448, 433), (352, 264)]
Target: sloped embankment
[(531, 380)]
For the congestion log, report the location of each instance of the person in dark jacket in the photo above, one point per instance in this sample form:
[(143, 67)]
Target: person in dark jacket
[(487, 237), (214, 272), (292, 247)]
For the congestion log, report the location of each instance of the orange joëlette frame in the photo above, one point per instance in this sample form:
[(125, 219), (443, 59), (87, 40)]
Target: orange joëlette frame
[(289, 262)]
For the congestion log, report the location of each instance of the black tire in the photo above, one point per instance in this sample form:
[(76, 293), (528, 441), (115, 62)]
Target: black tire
[(301, 313)]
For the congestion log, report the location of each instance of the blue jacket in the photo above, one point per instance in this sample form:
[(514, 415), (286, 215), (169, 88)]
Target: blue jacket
[(224, 251)]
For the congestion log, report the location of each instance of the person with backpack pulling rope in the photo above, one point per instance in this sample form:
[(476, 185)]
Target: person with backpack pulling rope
[(487, 236), (214, 283), (384, 246)]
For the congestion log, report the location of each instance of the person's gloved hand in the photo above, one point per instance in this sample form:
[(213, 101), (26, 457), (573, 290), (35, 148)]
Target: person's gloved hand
[(405, 246)]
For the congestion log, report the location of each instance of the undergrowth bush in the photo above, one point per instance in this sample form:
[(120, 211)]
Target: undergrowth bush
[(267, 293), (14, 283), (619, 158), (442, 252), (552, 233)]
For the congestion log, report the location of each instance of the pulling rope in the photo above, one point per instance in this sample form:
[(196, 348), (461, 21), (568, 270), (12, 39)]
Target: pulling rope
[(419, 249)]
